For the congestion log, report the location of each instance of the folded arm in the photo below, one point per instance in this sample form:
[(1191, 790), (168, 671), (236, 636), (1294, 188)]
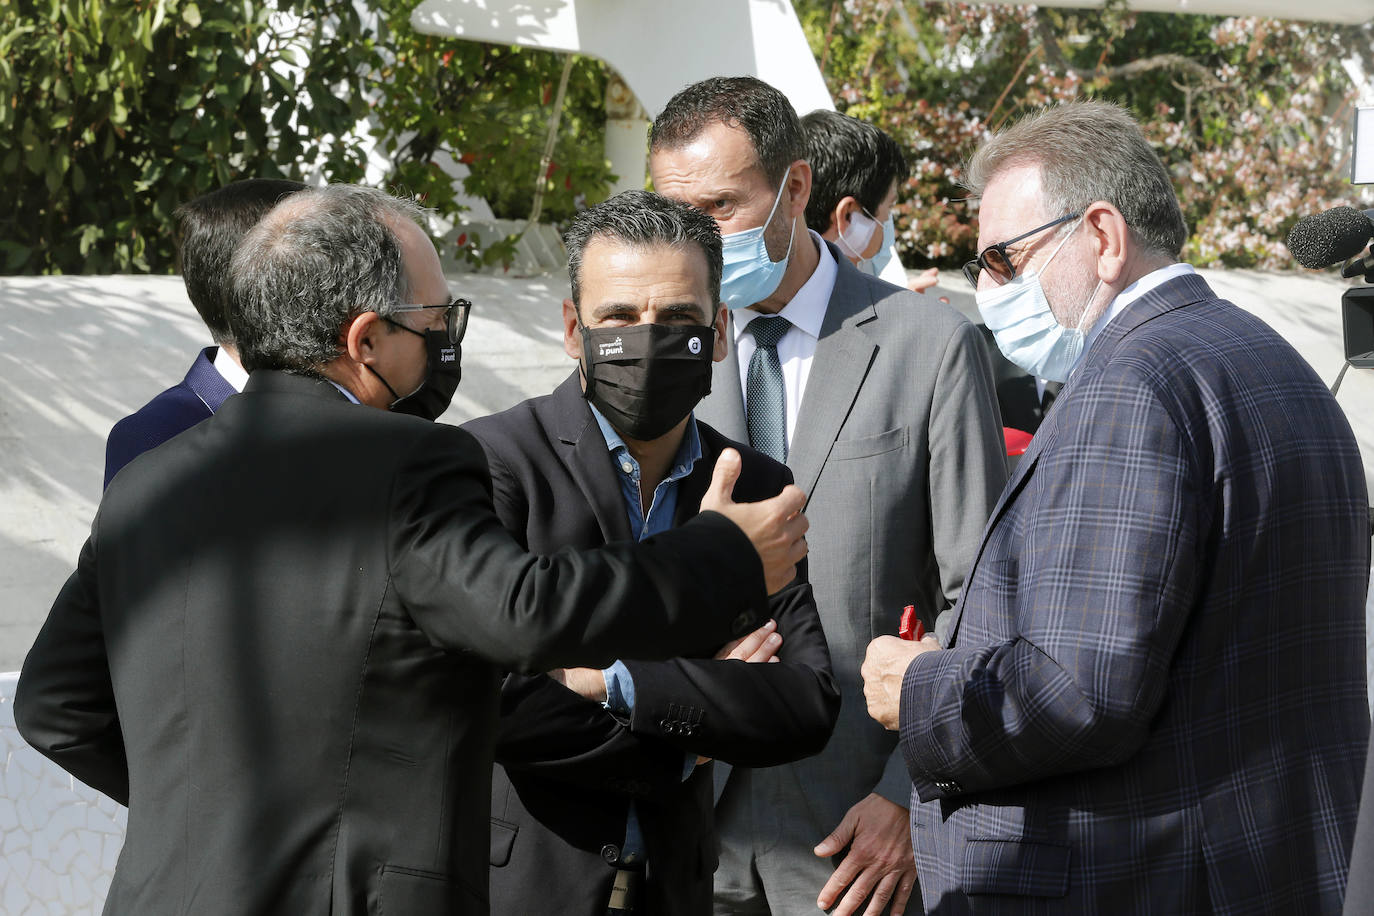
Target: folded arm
[(744, 713)]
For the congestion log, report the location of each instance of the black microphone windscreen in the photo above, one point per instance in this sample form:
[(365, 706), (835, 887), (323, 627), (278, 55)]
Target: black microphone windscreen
[(1330, 237)]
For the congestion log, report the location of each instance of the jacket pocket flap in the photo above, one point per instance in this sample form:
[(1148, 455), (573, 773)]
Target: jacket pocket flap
[(502, 840), (864, 446), (1015, 867)]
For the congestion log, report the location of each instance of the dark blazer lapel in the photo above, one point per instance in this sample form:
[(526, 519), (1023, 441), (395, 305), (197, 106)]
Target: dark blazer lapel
[(1047, 433), (582, 449), (692, 488), (727, 397), (843, 356)]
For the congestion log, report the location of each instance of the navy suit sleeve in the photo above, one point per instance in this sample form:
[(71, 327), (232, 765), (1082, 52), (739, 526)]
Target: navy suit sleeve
[(173, 411), (1098, 600)]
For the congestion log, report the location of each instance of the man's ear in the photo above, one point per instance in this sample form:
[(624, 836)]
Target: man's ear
[(799, 187), (722, 328), (572, 335), (1110, 239), (361, 337), (839, 218)]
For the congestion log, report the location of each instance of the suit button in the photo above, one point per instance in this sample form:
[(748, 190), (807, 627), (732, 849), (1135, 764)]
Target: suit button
[(611, 854), (666, 726), (743, 623)]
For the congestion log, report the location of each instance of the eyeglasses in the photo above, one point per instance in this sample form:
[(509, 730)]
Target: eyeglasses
[(995, 259), (455, 318)]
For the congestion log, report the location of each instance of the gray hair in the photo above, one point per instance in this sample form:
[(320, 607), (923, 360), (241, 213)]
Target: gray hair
[(1089, 151), (319, 259), (642, 218)]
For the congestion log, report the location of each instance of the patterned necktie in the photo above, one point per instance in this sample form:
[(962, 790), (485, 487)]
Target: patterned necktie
[(767, 397)]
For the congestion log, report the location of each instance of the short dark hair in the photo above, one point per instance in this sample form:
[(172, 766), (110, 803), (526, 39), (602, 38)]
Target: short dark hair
[(849, 158), (746, 102), (305, 270), (208, 229), (642, 218)]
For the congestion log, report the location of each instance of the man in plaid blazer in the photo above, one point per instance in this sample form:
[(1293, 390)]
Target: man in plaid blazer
[(1152, 699)]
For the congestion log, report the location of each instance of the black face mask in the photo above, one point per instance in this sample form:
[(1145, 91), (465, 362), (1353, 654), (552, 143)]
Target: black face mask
[(646, 378), (444, 371)]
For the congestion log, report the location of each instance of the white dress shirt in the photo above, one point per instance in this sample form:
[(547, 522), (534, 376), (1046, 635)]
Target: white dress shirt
[(796, 349)]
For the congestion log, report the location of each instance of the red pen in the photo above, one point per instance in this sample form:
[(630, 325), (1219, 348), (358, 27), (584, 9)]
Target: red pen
[(911, 628)]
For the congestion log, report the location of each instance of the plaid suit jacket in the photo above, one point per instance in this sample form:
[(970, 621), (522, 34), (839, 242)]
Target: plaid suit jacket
[(1154, 696)]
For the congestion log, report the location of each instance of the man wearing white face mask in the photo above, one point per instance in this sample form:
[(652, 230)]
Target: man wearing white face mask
[(881, 403), (855, 171), (1152, 696)]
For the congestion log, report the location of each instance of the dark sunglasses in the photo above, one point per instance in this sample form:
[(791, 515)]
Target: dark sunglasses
[(455, 318), (995, 259)]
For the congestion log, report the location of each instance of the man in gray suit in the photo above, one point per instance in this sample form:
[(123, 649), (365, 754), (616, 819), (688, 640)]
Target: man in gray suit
[(881, 402)]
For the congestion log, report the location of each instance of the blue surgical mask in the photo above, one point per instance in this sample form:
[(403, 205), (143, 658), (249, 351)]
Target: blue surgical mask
[(853, 241), (1026, 331), (749, 275), (884, 254)]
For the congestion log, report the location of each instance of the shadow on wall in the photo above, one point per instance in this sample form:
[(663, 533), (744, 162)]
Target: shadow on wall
[(79, 353)]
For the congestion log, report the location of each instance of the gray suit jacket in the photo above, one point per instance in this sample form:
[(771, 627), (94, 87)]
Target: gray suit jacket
[(899, 448)]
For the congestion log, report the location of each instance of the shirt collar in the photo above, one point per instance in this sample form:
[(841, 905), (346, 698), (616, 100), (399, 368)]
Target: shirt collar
[(229, 369), (346, 393), (806, 310), (1133, 292), (688, 452)]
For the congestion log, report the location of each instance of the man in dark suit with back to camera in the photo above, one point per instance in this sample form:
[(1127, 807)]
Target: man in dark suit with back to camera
[(208, 229), (1152, 699), (282, 643), (598, 800)]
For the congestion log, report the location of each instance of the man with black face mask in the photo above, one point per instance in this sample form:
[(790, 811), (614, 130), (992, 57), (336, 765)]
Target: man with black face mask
[(602, 799)]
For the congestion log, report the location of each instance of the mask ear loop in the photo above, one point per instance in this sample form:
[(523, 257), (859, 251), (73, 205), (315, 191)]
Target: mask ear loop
[(777, 201), (588, 381), (1088, 307), (1062, 242)]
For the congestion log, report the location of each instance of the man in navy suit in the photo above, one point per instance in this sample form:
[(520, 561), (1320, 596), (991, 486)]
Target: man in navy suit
[(1152, 697), (209, 228)]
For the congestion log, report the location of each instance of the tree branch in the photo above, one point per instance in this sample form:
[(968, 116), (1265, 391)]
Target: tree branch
[(1158, 62), (1053, 53)]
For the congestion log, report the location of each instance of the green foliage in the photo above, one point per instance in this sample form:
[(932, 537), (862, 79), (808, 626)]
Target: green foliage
[(1248, 114), (114, 112), (488, 106)]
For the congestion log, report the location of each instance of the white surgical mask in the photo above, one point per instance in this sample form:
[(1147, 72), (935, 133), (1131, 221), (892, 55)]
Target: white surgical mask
[(749, 275), (884, 254), (1026, 331), (853, 241)]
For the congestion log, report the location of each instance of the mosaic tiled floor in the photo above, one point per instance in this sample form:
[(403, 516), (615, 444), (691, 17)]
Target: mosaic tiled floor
[(59, 839)]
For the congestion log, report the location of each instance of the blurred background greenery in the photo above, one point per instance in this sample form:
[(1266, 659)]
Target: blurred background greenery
[(113, 112)]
